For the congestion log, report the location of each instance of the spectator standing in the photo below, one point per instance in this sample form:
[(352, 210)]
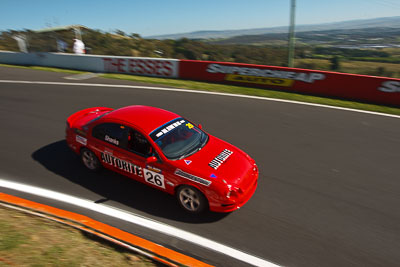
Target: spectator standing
[(79, 47)]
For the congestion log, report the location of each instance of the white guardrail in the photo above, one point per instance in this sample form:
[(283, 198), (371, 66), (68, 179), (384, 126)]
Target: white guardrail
[(156, 67)]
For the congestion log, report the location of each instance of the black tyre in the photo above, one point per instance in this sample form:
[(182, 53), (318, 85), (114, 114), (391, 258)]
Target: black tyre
[(191, 199), (90, 160)]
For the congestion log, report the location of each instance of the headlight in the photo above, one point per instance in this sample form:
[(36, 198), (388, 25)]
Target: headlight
[(233, 192)]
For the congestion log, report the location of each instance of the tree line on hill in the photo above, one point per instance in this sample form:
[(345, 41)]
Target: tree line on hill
[(119, 43)]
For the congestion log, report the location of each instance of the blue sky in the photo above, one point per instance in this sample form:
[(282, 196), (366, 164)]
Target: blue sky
[(156, 17)]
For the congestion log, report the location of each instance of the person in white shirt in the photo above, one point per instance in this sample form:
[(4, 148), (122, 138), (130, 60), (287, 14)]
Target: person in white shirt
[(79, 47)]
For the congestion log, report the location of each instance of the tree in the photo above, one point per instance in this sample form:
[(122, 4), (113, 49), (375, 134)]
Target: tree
[(119, 32), (335, 63)]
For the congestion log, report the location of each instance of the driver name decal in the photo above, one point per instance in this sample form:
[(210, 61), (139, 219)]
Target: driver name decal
[(221, 158), (111, 140)]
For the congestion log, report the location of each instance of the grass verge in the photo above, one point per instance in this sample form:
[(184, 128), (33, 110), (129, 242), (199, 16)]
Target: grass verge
[(44, 69), (353, 66), (28, 240), (240, 90), (204, 86)]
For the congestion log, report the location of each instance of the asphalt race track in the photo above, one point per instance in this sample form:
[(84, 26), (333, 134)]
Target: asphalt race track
[(329, 187)]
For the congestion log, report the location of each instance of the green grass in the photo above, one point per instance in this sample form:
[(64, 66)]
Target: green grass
[(203, 86), (352, 66), (10, 239), (28, 240), (44, 68), (240, 90)]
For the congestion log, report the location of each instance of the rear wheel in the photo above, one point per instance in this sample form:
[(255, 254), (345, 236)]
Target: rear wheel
[(90, 160), (191, 199)]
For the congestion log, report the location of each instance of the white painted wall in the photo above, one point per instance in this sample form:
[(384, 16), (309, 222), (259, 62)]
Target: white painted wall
[(156, 67)]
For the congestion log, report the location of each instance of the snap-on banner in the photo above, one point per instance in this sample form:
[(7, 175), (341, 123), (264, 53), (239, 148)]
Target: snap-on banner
[(372, 89)]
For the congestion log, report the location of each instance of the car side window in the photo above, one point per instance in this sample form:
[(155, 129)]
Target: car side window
[(138, 144), (113, 133), (123, 137)]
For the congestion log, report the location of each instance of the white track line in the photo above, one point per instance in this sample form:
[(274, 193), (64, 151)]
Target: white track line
[(148, 223), (83, 76), (199, 92), (138, 220)]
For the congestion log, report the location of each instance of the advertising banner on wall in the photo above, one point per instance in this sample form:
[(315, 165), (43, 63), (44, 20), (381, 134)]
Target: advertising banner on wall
[(371, 89), (348, 86), (156, 67), (142, 66)]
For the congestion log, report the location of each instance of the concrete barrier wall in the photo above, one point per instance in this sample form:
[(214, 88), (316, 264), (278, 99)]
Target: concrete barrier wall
[(94, 63), (380, 90), (14, 58)]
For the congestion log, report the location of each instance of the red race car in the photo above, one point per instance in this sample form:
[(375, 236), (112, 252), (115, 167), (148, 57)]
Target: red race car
[(165, 151)]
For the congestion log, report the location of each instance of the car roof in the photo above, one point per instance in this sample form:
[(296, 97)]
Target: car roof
[(145, 117)]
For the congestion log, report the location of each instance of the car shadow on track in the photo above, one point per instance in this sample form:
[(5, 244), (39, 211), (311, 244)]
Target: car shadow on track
[(59, 159)]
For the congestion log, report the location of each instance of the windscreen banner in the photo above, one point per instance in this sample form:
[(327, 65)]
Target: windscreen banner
[(372, 89)]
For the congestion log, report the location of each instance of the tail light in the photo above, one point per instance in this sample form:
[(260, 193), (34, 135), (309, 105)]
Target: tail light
[(80, 132)]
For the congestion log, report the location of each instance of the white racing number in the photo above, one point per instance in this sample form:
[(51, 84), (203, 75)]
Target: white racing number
[(154, 178)]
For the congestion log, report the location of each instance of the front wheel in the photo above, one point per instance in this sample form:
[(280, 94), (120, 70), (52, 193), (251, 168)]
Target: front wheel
[(191, 199), (90, 160)]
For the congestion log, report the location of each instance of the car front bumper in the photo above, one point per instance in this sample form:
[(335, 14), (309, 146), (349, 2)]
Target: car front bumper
[(234, 204)]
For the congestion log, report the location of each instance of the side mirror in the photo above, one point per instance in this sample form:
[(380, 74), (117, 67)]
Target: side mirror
[(151, 160), (200, 126)]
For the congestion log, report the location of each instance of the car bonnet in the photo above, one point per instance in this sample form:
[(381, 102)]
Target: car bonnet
[(218, 160)]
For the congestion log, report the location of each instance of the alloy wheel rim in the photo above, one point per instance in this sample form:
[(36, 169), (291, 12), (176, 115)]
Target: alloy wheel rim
[(89, 160), (189, 199)]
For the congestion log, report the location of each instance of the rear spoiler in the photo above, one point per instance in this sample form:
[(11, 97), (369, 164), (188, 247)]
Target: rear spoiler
[(84, 112)]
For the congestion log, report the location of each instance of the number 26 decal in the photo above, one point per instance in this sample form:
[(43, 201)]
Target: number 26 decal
[(154, 178)]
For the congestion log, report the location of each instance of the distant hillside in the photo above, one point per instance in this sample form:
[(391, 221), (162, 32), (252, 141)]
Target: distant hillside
[(321, 50), (357, 38), (387, 22)]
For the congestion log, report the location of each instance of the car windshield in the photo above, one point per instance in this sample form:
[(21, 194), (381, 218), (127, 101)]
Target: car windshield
[(179, 139)]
